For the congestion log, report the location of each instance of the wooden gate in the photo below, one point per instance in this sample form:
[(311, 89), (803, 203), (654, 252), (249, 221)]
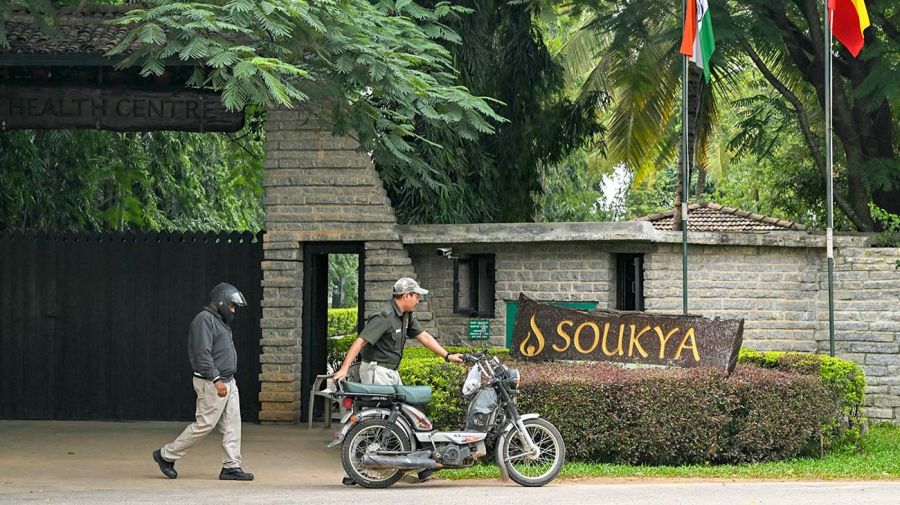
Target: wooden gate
[(94, 325)]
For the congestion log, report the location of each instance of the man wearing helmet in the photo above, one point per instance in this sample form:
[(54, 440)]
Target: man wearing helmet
[(214, 361)]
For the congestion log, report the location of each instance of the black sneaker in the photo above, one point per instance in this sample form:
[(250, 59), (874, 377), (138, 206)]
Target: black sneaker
[(425, 474), (347, 481), (166, 467), (234, 474)]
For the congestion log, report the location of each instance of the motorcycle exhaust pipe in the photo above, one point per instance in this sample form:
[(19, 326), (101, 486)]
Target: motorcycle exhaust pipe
[(418, 459)]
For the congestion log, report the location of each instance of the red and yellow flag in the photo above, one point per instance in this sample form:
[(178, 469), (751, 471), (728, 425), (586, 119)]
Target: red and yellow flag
[(849, 20)]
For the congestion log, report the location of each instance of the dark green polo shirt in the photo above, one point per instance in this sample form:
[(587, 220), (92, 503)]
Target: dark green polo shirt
[(385, 334)]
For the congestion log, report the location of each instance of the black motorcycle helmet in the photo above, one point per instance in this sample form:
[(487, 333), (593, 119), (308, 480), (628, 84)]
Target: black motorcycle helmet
[(224, 294)]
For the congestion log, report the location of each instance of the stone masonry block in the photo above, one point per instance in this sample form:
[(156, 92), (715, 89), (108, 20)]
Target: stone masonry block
[(279, 358), (273, 377), (279, 323), (281, 386), (292, 368), (279, 415), (279, 396)]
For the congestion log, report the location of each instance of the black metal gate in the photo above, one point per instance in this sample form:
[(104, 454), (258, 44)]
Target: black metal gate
[(94, 325)]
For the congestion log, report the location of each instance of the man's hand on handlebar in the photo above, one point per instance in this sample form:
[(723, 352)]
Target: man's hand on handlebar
[(455, 358), (339, 375)]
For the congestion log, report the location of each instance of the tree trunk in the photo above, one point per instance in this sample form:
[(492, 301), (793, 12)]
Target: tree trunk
[(695, 85), (700, 188), (864, 130)]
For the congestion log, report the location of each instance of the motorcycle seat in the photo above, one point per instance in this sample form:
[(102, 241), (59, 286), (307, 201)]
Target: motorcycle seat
[(419, 395), (368, 389)]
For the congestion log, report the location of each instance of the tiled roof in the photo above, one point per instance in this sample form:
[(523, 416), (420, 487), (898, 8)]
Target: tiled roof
[(84, 31), (714, 217)]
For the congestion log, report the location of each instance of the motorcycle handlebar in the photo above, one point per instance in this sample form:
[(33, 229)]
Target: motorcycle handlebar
[(472, 357)]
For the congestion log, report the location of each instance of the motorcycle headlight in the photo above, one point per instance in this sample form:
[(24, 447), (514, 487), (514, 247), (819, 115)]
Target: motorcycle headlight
[(514, 378)]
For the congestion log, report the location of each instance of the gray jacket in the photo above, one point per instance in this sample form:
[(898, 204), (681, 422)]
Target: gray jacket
[(210, 347)]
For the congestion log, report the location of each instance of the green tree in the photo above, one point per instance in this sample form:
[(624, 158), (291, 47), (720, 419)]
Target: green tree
[(343, 277), (783, 41), (93, 180), (502, 54), (394, 73)]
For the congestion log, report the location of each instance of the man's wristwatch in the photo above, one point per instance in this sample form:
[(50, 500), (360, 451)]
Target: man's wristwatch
[(447, 357)]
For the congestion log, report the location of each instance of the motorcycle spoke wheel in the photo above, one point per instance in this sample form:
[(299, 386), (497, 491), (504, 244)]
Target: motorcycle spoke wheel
[(530, 469), (373, 435)]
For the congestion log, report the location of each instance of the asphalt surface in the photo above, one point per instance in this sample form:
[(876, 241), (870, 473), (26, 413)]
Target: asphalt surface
[(98, 463)]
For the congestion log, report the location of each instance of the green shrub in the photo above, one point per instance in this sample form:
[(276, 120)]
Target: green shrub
[(337, 349), (342, 321), (446, 409), (844, 378), (419, 352), (678, 416)]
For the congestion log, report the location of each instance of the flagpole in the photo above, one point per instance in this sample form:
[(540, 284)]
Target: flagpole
[(685, 171), (829, 181)]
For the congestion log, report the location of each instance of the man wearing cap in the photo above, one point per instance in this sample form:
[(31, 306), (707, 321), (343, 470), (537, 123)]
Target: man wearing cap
[(380, 345)]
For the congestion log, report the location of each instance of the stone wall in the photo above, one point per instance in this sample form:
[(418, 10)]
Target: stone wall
[(777, 282), (319, 188), (773, 289), (575, 272), (867, 322)]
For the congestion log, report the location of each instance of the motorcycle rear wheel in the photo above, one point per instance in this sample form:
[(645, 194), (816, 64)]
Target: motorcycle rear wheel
[(367, 436), (524, 469)]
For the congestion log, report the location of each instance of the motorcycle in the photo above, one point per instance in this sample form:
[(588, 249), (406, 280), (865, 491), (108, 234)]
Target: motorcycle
[(385, 434)]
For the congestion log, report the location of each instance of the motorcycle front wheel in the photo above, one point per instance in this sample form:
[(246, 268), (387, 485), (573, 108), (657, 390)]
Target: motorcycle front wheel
[(369, 436), (525, 468)]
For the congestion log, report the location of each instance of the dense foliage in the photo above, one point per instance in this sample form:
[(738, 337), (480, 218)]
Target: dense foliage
[(844, 378), (96, 180), (679, 416), (343, 278), (768, 67)]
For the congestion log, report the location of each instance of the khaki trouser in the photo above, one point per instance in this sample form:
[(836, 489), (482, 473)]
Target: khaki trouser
[(371, 373), (212, 412)]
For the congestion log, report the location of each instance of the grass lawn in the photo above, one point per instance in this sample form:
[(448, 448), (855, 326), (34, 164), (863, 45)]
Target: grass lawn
[(879, 458)]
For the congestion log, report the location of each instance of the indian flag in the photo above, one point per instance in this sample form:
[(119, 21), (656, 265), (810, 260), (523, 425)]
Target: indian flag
[(849, 19), (698, 43)]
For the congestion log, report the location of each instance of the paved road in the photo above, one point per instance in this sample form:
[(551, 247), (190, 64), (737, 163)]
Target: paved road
[(96, 463), (445, 492)]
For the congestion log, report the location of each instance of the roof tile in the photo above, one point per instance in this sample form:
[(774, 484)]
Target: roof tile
[(707, 216)]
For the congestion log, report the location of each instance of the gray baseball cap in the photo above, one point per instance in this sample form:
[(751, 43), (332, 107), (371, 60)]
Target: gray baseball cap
[(407, 285)]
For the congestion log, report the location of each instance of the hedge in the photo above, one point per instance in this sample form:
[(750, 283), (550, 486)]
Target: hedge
[(844, 378), (679, 416), (342, 321)]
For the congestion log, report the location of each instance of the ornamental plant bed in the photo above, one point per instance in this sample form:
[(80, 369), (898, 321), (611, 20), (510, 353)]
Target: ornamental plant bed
[(680, 416)]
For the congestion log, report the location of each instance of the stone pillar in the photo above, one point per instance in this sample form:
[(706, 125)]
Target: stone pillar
[(319, 187)]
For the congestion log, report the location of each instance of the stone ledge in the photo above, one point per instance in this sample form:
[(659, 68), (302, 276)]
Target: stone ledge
[(637, 231)]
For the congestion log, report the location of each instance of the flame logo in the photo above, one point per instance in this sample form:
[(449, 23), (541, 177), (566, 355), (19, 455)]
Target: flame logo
[(526, 347)]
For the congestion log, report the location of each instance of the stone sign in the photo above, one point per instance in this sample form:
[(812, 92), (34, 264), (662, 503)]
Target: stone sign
[(117, 108), (547, 333)]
